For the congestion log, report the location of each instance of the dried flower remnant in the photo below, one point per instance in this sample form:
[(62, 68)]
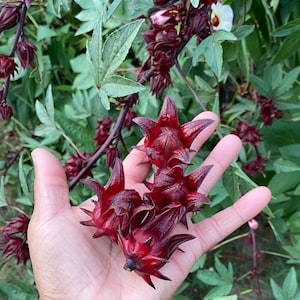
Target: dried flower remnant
[(166, 142), (14, 238), (221, 16)]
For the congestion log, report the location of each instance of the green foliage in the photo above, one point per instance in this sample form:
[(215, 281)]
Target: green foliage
[(289, 289), (221, 278)]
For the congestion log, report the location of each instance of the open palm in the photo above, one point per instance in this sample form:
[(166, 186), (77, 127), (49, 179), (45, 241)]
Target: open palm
[(69, 264)]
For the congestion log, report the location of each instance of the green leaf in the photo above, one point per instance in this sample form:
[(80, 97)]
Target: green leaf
[(116, 47), (104, 99), (231, 297), (291, 153), (42, 114), (2, 194), (287, 29), (56, 7), (290, 284), (284, 182), (44, 32), (288, 47), (223, 271), (288, 81), (210, 277), (277, 292), (112, 8), (195, 3), (231, 184), (213, 54), (218, 291), (22, 177), (212, 49), (199, 263), (91, 10), (117, 86), (281, 165), (44, 130), (140, 7), (259, 84), (49, 103), (94, 50), (243, 31)]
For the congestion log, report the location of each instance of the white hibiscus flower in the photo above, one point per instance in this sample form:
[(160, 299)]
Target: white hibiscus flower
[(221, 16)]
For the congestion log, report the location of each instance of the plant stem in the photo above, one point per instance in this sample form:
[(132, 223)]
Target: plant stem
[(13, 49), (128, 102), (188, 84), (230, 240), (255, 272), (194, 92)]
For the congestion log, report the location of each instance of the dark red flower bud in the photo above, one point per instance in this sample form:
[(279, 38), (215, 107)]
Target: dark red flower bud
[(255, 167), (6, 111), (112, 153), (167, 142), (9, 16), (14, 238), (16, 247), (74, 165), (268, 111), (102, 131), (26, 53), (7, 66), (18, 224), (247, 133), (128, 119)]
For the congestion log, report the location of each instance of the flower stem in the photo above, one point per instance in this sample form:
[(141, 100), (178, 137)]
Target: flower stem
[(255, 272), (13, 49), (188, 84)]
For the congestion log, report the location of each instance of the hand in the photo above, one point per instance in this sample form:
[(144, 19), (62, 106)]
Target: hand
[(69, 264)]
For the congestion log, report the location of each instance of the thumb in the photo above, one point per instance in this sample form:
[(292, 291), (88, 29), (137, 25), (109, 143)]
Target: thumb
[(51, 193)]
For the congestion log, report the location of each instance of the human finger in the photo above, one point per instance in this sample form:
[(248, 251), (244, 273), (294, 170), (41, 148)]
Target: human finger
[(216, 228), (224, 153), (51, 194)]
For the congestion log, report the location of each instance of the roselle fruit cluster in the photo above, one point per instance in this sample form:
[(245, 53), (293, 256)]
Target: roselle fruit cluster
[(143, 225)]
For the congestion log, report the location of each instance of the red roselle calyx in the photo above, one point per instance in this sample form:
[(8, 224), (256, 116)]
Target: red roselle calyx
[(115, 206), (167, 143), (143, 225)]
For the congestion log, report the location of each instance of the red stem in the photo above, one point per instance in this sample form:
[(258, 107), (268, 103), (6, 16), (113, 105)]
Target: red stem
[(255, 272)]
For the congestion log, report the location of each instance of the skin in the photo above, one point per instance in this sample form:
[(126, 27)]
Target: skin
[(69, 264)]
